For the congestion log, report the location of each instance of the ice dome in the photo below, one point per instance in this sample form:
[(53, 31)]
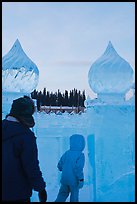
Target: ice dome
[(110, 74), (19, 73)]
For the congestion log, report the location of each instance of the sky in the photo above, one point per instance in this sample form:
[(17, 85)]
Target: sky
[(65, 38)]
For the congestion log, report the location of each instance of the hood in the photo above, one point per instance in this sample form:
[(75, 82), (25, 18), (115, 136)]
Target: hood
[(11, 129), (77, 142)]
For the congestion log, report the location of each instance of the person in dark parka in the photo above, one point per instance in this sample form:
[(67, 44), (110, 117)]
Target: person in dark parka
[(20, 165)]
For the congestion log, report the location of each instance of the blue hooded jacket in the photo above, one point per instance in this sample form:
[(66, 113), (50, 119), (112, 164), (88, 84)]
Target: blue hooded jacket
[(72, 161), (20, 165)]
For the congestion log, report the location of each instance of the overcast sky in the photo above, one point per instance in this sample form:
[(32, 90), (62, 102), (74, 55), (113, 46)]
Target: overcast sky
[(64, 39)]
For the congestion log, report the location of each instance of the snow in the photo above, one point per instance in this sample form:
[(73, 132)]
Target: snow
[(19, 73)]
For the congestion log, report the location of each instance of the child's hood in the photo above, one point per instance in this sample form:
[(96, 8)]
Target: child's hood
[(77, 142)]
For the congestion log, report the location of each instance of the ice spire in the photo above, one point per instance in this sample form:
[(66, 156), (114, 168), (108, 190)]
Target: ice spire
[(110, 74), (110, 50), (19, 73)]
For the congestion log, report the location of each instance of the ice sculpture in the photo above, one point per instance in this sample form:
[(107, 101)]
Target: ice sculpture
[(19, 76), (112, 128), (19, 73), (110, 74)]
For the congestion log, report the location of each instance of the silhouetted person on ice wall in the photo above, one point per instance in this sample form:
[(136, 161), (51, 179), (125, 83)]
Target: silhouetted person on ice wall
[(20, 166), (71, 164)]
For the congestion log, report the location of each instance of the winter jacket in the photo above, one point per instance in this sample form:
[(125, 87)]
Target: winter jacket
[(20, 165), (72, 161)]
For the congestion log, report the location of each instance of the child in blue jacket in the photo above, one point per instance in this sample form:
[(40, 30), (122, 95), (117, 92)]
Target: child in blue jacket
[(71, 164)]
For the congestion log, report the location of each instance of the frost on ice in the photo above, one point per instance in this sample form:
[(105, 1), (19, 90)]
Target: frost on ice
[(19, 73)]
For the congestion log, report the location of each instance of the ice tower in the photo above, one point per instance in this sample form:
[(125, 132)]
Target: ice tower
[(112, 124), (19, 75)]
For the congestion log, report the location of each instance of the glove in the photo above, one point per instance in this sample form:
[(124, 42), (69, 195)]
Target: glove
[(80, 183), (42, 196)]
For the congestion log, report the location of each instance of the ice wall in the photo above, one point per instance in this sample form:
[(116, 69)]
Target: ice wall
[(114, 152), (53, 132)]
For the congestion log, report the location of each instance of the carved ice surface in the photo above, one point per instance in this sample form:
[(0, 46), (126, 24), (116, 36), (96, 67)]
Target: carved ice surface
[(110, 73), (113, 128), (19, 73)]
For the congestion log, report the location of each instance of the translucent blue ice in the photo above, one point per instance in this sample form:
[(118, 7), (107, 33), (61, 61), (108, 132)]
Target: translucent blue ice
[(19, 73)]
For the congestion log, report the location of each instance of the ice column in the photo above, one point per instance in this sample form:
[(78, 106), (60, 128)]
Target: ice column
[(19, 76), (112, 124)]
